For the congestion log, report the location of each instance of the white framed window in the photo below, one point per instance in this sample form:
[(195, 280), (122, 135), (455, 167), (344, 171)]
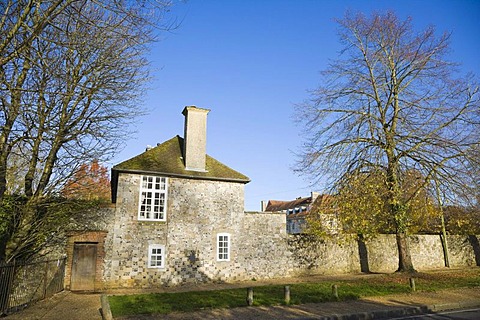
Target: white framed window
[(153, 198), (223, 247), (156, 256)]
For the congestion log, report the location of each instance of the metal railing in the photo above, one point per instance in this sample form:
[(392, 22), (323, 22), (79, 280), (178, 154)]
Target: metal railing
[(22, 284)]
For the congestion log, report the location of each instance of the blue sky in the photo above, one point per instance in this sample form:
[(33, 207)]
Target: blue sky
[(250, 62)]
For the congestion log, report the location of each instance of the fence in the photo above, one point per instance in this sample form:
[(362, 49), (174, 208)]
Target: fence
[(22, 284)]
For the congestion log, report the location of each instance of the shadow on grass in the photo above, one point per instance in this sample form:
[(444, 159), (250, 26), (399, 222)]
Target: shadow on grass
[(302, 293)]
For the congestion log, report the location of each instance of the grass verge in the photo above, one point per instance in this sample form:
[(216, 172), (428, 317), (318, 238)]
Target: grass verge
[(307, 292)]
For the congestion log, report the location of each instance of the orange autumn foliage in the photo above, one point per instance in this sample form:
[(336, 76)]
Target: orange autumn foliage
[(89, 182)]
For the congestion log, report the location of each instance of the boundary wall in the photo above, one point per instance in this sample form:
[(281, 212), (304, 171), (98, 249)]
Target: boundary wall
[(260, 248), (340, 255)]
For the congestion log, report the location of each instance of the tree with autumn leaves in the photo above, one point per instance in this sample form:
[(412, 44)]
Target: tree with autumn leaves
[(360, 205), (392, 103), (89, 182)]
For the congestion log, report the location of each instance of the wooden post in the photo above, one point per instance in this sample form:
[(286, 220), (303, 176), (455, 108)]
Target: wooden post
[(335, 291), (106, 311), (45, 280), (249, 296), (412, 284), (287, 294)]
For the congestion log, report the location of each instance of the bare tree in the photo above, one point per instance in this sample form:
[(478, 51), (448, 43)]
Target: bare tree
[(23, 21), (71, 77), (390, 103)]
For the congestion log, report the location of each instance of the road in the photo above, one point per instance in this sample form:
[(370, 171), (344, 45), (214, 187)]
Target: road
[(462, 314)]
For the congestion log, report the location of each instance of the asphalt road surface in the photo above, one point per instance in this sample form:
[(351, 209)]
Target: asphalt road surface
[(462, 314)]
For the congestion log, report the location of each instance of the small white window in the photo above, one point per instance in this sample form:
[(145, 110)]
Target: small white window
[(223, 247), (156, 256), (153, 198)]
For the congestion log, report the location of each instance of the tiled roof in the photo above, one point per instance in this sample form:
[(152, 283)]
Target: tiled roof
[(320, 203), (323, 202), (276, 205), (167, 159)]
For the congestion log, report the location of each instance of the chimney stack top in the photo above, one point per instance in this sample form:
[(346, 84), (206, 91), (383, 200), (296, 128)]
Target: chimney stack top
[(195, 138)]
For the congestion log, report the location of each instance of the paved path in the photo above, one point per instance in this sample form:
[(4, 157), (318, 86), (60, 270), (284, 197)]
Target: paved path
[(63, 306), (73, 306)]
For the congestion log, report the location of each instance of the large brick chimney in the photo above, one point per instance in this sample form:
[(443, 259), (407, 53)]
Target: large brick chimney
[(195, 144)]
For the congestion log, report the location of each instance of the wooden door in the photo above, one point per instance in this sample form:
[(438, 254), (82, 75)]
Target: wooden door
[(84, 267)]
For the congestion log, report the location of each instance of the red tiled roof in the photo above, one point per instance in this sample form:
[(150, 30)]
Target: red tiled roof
[(277, 205), (320, 202)]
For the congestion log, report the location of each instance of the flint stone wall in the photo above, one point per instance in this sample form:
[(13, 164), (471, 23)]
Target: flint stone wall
[(264, 246), (426, 250), (315, 256), (342, 255), (197, 210)]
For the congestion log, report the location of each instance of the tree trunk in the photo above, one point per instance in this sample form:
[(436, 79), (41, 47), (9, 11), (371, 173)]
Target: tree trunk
[(3, 247), (404, 258), (443, 236), (363, 253)]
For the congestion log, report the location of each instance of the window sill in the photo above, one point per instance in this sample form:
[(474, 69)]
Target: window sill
[(151, 220)]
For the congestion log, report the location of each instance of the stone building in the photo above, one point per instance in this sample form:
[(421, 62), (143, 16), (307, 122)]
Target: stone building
[(178, 212), (178, 217), (297, 212)]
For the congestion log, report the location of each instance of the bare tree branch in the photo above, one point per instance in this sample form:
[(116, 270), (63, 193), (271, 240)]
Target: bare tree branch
[(391, 102), (72, 75)]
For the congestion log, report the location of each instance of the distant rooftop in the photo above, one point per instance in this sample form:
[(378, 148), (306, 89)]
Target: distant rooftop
[(278, 205), (313, 202)]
